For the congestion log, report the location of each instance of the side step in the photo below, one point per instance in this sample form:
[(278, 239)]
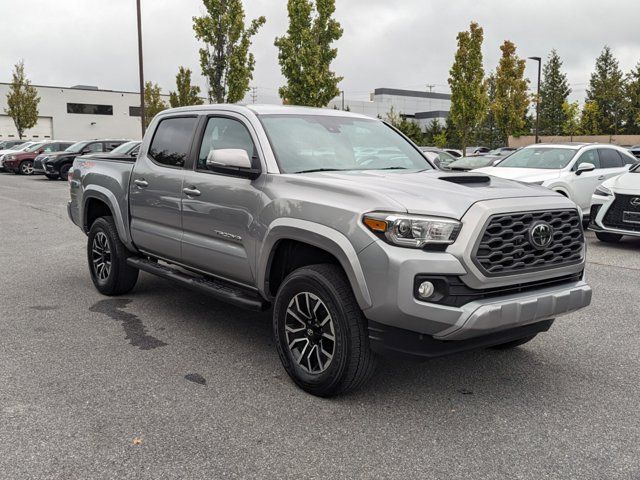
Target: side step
[(224, 291)]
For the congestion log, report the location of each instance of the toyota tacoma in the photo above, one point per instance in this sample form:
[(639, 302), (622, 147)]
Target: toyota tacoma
[(340, 225)]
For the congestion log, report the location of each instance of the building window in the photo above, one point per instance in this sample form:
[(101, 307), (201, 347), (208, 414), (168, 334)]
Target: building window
[(89, 109), (134, 112)]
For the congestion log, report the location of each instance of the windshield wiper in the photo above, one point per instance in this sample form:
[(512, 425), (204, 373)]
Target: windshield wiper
[(312, 170), (390, 168)]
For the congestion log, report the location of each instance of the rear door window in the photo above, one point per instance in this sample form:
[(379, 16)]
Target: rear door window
[(172, 141), (610, 158)]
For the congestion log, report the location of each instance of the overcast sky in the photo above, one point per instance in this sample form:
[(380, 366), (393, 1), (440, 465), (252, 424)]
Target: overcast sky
[(386, 43)]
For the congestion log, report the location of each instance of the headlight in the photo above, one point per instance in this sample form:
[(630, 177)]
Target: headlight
[(10, 157), (603, 191), (413, 231)]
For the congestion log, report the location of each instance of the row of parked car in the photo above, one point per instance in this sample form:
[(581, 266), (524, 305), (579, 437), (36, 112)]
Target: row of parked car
[(54, 158), (602, 179)]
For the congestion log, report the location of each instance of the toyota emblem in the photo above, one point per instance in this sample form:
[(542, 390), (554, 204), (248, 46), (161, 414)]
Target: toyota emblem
[(541, 234), (635, 201)]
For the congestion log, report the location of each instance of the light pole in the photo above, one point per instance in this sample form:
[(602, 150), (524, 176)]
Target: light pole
[(539, 60), (141, 70)]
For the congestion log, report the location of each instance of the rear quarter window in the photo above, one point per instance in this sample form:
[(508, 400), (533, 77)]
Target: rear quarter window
[(172, 141)]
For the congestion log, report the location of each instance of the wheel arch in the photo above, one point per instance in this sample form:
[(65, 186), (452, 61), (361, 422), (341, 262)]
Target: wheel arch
[(311, 243), (98, 201)]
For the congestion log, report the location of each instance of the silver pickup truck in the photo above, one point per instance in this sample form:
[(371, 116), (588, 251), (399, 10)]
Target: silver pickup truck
[(338, 223)]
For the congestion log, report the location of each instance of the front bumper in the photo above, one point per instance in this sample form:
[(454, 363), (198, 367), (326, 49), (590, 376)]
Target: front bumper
[(11, 165), (391, 272), (600, 206)]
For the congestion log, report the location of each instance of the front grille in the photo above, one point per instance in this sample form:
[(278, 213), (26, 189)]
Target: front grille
[(614, 216), (505, 247)]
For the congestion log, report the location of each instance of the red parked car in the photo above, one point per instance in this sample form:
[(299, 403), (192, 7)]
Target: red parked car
[(22, 162)]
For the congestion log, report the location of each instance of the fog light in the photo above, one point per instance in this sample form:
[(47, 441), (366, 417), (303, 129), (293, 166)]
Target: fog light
[(426, 289)]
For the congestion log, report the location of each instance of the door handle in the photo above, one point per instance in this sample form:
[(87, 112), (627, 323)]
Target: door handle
[(601, 177), (191, 191), (141, 183)]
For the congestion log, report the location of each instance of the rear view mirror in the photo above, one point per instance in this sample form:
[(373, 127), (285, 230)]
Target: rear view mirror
[(585, 167), (232, 161)]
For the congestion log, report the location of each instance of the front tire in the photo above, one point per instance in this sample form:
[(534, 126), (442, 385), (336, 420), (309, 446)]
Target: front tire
[(26, 167), (51, 177), (320, 332), (64, 171), (608, 237), (107, 257)]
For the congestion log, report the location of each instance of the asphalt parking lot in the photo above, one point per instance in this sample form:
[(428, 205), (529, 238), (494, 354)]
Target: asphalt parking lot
[(167, 383)]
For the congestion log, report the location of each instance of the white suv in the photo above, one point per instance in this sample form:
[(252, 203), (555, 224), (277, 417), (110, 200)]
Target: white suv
[(615, 208), (574, 170)]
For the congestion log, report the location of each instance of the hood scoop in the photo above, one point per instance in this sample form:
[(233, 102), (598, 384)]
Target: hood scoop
[(467, 179)]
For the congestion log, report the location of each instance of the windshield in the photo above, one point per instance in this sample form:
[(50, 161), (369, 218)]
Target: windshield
[(304, 143), (124, 148), (33, 147), (76, 147), (539, 157)]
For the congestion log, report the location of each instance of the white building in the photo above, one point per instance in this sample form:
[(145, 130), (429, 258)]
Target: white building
[(85, 113), (78, 113), (422, 107)]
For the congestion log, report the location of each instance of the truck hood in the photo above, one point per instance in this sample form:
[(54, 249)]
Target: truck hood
[(432, 192), (627, 183), (521, 174)]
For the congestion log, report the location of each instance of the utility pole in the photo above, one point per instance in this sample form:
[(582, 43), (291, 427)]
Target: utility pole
[(140, 68), (539, 60), (254, 94), (430, 87), (342, 94)]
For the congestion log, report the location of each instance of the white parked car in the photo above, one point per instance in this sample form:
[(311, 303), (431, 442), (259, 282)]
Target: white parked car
[(574, 170), (615, 207)]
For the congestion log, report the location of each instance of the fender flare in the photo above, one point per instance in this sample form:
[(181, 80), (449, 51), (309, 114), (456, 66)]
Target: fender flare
[(320, 236), (98, 192)]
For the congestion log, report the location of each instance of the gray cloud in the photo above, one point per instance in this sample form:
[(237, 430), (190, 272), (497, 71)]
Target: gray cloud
[(404, 44)]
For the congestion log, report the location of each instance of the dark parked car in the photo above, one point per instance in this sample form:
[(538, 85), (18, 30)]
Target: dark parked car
[(129, 149), (22, 162), (57, 165)]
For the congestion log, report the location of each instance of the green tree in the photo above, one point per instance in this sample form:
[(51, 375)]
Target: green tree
[(185, 94), (22, 101), (571, 115), (305, 53), (487, 133), (410, 128), (554, 91), (632, 103), (225, 59), (468, 91), (434, 128), (440, 140), (591, 119), (511, 98), (606, 89), (153, 103)]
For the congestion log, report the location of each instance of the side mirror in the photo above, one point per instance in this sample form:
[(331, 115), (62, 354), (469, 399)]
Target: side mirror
[(585, 167), (232, 161), (85, 151)]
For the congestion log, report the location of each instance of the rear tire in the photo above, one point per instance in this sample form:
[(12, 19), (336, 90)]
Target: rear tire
[(514, 343), (608, 237), (320, 332), (107, 257), (64, 171)]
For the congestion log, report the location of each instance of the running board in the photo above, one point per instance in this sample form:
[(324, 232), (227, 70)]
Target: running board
[(221, 290)]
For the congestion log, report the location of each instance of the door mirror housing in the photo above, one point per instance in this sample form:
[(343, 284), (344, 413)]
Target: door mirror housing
[(232, 161), (585, 167)]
